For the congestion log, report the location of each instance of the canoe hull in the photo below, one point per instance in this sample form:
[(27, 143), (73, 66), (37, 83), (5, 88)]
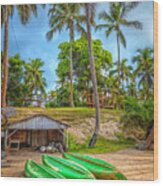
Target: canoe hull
[(99, 168), (36, 170), (67, 168)]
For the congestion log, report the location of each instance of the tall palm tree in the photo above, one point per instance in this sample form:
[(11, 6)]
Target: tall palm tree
[(114, 19), (66, 16), (25, 11), (126, 73), (132, 86), (90, 13), (145, 70), (34, 76)]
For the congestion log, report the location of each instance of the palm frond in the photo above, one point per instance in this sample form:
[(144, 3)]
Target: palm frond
[(101, 26), (109, 31), (105, 16), (132, 24), (49, 35), (25, 12), (6, 10), (128, 6), (122, 38), (81, 29)]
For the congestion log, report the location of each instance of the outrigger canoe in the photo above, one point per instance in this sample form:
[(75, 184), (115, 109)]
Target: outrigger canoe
[(37, 170), (99, 168), (67, 168)]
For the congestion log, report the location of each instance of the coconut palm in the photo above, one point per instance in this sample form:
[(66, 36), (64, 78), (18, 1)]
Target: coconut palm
[(145, 70), (89, 14), (66, 16), (114, 19), (132, 86), (34, 76), (25, 12), (126, 73)]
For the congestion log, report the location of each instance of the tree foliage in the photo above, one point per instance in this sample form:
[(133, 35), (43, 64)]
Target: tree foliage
[(138, 114), (25, 79), (82, 76), (114, 21)]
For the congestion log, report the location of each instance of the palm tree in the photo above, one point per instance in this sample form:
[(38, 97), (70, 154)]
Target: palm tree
[(34, 76), (66, 16), (7, 11), (90, 13), (114, 22), (132, 86), (145, 70), (126, 73)]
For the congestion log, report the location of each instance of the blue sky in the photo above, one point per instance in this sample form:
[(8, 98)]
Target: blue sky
[(30, 40)]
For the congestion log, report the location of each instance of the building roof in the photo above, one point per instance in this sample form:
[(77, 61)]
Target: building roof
[(38, 122)]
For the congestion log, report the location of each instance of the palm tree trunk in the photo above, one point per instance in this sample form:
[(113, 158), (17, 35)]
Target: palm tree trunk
[(123, 84), (118, 64), (94, 80), (127, 84), (71, 66), (149, 140), (5, 62), (147, 89)]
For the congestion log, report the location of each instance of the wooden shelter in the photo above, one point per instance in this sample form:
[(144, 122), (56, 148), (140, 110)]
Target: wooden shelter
[(104, 98), (38, 130)]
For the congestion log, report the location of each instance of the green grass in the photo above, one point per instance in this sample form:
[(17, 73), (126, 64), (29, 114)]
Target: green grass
[(74, 117), (102, 146), (71, 116)]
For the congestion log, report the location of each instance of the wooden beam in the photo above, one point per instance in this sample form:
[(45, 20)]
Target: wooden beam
[(60, 131), (12, 133), (31, 138)]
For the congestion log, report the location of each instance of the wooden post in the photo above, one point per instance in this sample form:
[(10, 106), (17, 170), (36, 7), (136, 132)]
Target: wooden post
[(6, 139), (47, 137), (31, 138)]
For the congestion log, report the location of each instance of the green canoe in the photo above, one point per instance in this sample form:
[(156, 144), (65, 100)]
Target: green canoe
[(67, 168), (37, 170), (100, 168)]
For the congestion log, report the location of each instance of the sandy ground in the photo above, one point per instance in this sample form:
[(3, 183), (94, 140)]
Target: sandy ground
[(136, 165)]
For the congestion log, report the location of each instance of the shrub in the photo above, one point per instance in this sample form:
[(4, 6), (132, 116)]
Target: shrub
[(138, 114)]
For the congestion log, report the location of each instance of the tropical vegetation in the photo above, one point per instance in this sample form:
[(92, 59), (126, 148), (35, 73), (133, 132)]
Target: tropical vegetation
[(87, 75)]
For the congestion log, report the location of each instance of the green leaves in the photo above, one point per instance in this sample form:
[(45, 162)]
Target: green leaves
[(122, 38), (24, 78), (138, 113), (115, 18), (64, 16), (145, 71), (81, 73), (131, 24), (26, 11), (34, 75)]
